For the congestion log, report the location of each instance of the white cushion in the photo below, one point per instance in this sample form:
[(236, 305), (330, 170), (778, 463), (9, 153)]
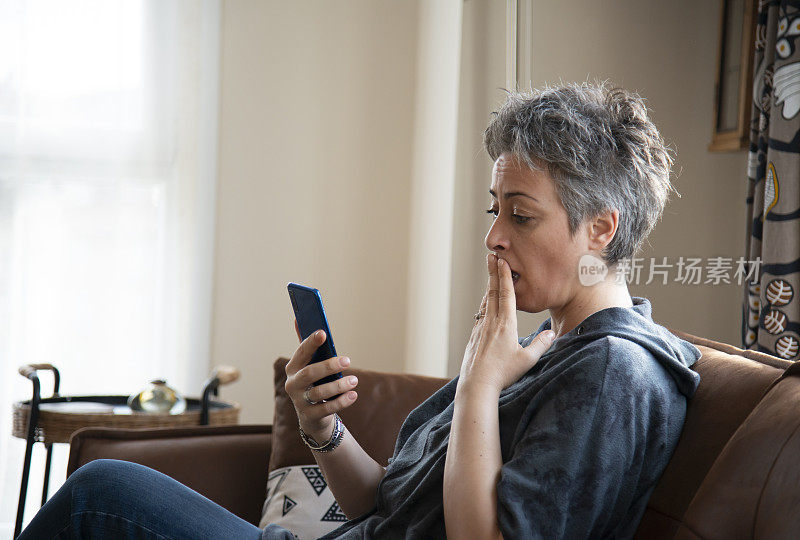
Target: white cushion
[(298, 499)]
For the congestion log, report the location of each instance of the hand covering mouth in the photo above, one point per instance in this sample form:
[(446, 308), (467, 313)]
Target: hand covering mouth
[(514, 275)]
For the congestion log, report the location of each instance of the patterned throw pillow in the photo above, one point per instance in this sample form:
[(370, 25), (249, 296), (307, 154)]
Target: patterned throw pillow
[(298, 499)]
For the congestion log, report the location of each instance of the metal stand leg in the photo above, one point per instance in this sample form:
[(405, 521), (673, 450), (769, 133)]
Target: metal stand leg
[(29, 371), (46, 481), (26, 469)]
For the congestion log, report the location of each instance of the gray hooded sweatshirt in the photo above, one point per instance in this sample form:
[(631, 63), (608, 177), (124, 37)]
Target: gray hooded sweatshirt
[(585, 436)]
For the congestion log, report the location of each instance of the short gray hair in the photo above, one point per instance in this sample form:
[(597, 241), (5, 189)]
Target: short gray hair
[(601, 149)]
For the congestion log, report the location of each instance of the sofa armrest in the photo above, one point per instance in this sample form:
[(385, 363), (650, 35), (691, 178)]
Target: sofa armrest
[(227, 464)]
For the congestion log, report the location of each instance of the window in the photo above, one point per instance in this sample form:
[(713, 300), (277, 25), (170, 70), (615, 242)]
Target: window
[(107, 173)]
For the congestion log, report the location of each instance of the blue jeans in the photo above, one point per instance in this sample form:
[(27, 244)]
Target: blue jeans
[(115, 499)]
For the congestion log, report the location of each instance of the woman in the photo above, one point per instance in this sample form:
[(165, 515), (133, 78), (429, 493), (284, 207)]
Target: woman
[(561, 434)]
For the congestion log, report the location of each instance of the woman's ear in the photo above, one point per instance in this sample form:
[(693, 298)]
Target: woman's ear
[(602, 229)]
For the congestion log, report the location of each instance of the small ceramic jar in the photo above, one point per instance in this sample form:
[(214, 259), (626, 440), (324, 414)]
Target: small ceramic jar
[(158, 398)]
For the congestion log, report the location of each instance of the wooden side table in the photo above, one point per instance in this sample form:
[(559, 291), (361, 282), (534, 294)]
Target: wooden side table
[(55, 419)]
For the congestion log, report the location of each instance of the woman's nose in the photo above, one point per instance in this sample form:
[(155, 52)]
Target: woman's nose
[(496, 239)]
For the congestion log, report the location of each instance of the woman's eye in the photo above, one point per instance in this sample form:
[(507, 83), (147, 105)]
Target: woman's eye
[(521, 219), (518, 219)]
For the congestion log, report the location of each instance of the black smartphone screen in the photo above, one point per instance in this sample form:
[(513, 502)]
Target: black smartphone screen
[(310, 316)]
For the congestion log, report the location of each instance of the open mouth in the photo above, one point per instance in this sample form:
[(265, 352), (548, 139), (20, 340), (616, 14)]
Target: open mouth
[(514, 275)]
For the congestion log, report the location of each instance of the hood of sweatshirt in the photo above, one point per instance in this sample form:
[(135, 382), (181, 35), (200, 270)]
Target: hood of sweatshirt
[(633, 324)]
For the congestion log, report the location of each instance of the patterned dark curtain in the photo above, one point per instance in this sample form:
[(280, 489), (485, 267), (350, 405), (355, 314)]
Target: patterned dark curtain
[(771, 321)]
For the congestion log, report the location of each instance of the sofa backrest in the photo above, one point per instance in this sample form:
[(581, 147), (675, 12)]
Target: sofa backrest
[(384, 401), (224, 463), (732, 383), (753, 489)]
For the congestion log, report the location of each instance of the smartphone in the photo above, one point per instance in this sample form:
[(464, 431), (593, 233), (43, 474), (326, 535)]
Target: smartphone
[(310, 316)]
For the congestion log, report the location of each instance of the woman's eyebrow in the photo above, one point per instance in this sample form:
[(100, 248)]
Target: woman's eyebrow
[(513, 194)]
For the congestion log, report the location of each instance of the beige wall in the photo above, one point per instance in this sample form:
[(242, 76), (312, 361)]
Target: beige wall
[(483, 75), (314, 172), (318, 112), (436, 124), (666, 51)]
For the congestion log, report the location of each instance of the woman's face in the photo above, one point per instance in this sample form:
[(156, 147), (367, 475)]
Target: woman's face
[(531, 232)]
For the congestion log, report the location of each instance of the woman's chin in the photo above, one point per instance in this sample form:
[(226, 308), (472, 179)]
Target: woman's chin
[(528, 303), (530, 308)]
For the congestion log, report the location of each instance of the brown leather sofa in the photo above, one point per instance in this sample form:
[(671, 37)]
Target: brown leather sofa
[(734, 474)]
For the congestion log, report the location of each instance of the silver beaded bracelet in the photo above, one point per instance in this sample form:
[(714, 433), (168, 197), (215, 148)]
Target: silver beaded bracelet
[(332, 443)]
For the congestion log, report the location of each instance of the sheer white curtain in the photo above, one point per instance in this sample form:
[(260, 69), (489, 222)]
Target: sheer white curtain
[(108, 126)]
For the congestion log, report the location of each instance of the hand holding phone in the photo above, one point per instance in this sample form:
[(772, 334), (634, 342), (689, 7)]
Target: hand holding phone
[(309, 317), (314, 380)]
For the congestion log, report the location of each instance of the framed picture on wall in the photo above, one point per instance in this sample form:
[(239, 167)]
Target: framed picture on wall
[(734, 87)]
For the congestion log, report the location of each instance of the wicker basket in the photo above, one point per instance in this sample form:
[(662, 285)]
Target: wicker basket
[(56, 426), (58, 417)]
